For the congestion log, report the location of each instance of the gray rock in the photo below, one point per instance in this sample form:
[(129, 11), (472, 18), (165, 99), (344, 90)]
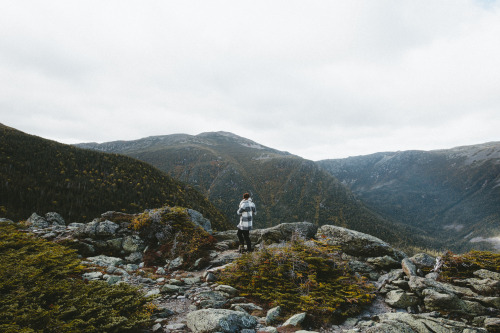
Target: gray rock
[(198, 219), (276, 234), (134, 257), (92, 276), (385, 262), (484, 286), (106, 229), (492, 302), (418, 284), (423, 260), (248, 307), (152, 292), (401, 299), (105, 261), (284, 232), (156, 327), (395, 274), (54, 219), (75, 225), (210, 277), (485, 274), (492, 324), (268, 329), (402, 284), (400, 322), (175, 264), (170, 289), (432, 276), (360, 266), (88, 229), (35, 221), (436, 301), (176, 327), (160, 271), (175, 282), (224, 259), (355, 243), (272, 315), (212, 299), (115, 244), (131, 267), (6, 221), (219, 320), (112, 279), (295, 320), (227, 289), (409, 267), (133, 243), (191, 281), (230, 237)]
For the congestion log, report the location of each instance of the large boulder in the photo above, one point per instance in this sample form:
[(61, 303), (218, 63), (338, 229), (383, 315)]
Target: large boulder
[(423, 260), (284, 232), (219, 320), (132, 244), (356, 243), (419, 284), (401, 299), (98, 229), (410, 323), (54, 218), (35, 221), (198, 219)]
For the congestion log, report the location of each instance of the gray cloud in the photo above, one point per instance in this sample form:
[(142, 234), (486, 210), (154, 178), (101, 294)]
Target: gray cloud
[(319, 79)]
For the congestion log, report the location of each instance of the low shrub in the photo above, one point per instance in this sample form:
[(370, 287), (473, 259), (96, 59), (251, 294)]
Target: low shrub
[(463, 266), (300, 276), (42, 291)]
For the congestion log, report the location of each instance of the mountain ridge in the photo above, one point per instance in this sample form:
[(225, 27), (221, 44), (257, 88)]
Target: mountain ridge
[(454, 192), (285, 187)]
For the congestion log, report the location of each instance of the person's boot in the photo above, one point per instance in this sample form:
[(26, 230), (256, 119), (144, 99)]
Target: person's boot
[(241, 249)]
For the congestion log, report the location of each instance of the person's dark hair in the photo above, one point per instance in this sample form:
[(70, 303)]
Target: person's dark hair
[(246, 196)]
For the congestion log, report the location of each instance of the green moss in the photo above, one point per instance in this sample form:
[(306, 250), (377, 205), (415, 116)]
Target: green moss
[(300, 277), (42, 291), (170, 233), (463, 266)]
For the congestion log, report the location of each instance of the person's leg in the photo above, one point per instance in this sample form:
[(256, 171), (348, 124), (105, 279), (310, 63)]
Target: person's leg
[(246, 234), (242, 241)]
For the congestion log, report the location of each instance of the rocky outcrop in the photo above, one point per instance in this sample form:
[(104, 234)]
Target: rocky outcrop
[(36, 221), (276, 234), (219, 320), (410, 323), (409, 299), (356, 243)]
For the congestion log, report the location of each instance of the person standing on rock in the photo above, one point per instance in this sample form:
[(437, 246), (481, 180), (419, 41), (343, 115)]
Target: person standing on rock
[(246, 211)]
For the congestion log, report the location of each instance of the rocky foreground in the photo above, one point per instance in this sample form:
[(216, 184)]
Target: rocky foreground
[(410, 296)]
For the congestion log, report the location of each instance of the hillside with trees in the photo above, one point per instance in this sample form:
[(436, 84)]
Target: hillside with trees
[(39, 175)]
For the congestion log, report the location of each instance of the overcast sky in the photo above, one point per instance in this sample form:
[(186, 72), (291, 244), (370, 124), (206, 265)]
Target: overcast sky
[(320, 79)]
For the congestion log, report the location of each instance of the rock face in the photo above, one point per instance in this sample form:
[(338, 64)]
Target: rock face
[(408, 323), (219, 320), (356, 243)]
